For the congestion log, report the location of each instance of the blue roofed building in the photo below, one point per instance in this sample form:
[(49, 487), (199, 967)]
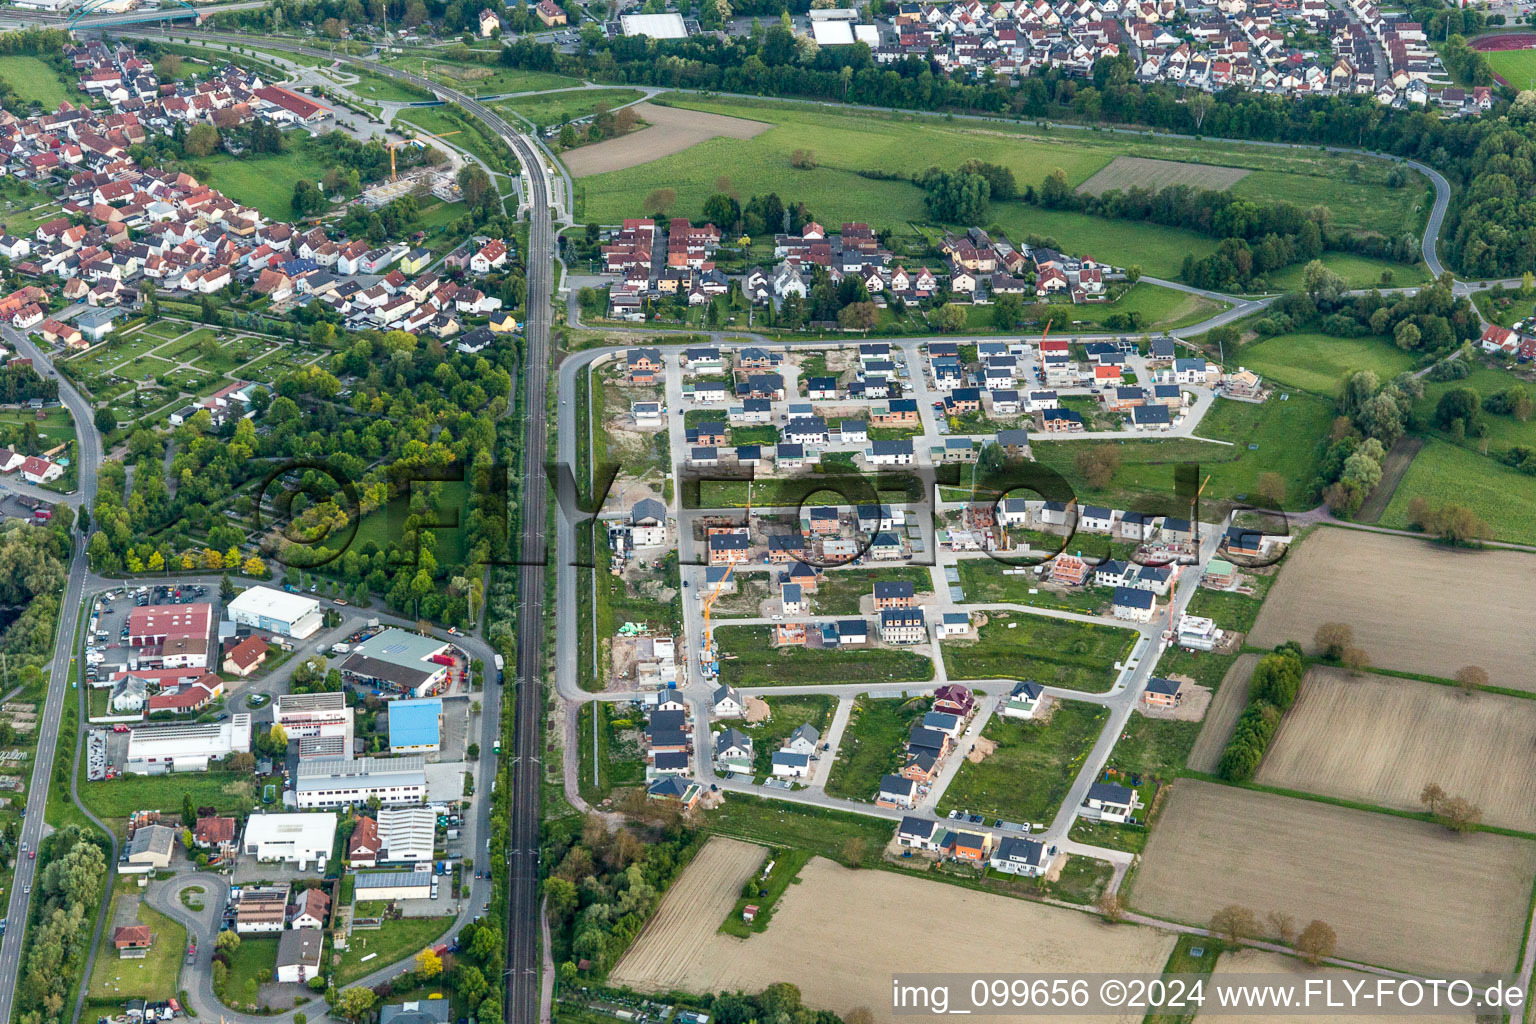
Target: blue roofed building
[(416, 726)]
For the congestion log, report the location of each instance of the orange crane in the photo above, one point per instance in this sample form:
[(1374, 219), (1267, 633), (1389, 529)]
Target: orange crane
[(392, 146)]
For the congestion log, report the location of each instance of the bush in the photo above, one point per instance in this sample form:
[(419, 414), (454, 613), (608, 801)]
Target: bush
[(1272, 690)]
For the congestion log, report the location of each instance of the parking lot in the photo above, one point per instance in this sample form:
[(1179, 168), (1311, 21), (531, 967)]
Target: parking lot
[(107, 647)]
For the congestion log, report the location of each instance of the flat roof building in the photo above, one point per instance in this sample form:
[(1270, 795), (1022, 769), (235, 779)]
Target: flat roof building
[(276, 611), (406, 834), (158, 749), (300, 839), (656, 26), (416, 726), (315, 715), (393, 885), (394, 780)]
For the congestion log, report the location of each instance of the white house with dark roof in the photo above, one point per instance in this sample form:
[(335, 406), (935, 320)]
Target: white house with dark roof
[(727, 703), (1109, 801), (1016, 855), (917, 833), (789, 765), (1022, 701), (896, 791)]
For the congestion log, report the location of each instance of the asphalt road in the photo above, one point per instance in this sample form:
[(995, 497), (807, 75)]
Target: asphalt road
[(32, 827)]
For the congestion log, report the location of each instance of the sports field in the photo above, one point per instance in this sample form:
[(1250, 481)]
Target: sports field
[(1398, 892), (1319, 363), (1517, 67), (1380, 740), (1388, 589), (838, 933)]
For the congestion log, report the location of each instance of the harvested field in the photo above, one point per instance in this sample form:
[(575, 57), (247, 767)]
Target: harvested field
[(671, 130), (1391, 590), (1393, 469), (1380, 740), (1259, 961), (1126, 172), (1220, 720), (1399, 893), (839, 933), (685, 923)]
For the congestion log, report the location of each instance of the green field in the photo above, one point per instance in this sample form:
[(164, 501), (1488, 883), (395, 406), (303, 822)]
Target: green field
[(982, 581), (855, 840), (399, 939), (1028, 774), (248, 965), (1517, 67), (1357, 271), (872, 745), (1051, 651), (788, 714), (839, 591), (620, 760), (1505, 498), (846, 143), (120, 797), (1319, 363), (34, 81), (552, 108), (154, 977), (757, 663), (1502, 430), (1289, 435), (265, 182)]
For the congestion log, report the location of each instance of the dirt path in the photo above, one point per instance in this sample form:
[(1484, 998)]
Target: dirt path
[(1393, 468)]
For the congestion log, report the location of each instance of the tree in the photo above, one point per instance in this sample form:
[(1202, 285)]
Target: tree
[(1007, 311), (428, 965), (1316, 942), (1459, 814), (1333, 639), (1098, 465), (201, 140), (1406, 335), (950, 318), (355, 1003), (277, 738), (1111, 907), (105, 420), (1431, 797), (859, 1015), (1271, 489), (227, 942), (1355, 659), (1472, 678), (853, 852), (168, 67), (1234, 923), (188, 814), (1461, 404), (1283, 925), (567, 136), (1199, 104), (858, 316)]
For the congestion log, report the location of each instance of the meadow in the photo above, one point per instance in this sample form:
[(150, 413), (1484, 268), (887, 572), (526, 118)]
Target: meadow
[(1032, 766), (1502, 497), (551, 108), (844, 144), (1319, 363), (33, 80), (264, 182)]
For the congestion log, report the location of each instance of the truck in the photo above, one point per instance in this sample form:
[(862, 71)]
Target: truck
[(341, 648), (499, 666), (496, 748)]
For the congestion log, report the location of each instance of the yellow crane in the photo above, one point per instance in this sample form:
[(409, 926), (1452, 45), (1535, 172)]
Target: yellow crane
[(392, 146)]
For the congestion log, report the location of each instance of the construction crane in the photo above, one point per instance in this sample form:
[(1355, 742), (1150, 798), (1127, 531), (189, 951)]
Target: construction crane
[(392, 146)]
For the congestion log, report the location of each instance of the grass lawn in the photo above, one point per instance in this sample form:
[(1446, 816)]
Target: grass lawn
[(1517, 67), (397, 940), (620, 760), (851, 839), (789, 713), (1357, 271), (757, 663), (1443, 472), (264, 182), (764, 893), (1154, 746), (552, 108), (379, 527), (152, 978), (839, 591), (1502, 430), (872, 744), (1289, 435), (1054, 652), (1319, 363), (34, 81), (982, 581), (120, 797), (56, 426), (1027, 776), (246, 967)]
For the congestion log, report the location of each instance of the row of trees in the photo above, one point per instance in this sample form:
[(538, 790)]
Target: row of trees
[(1271, 691), (68, 892)]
